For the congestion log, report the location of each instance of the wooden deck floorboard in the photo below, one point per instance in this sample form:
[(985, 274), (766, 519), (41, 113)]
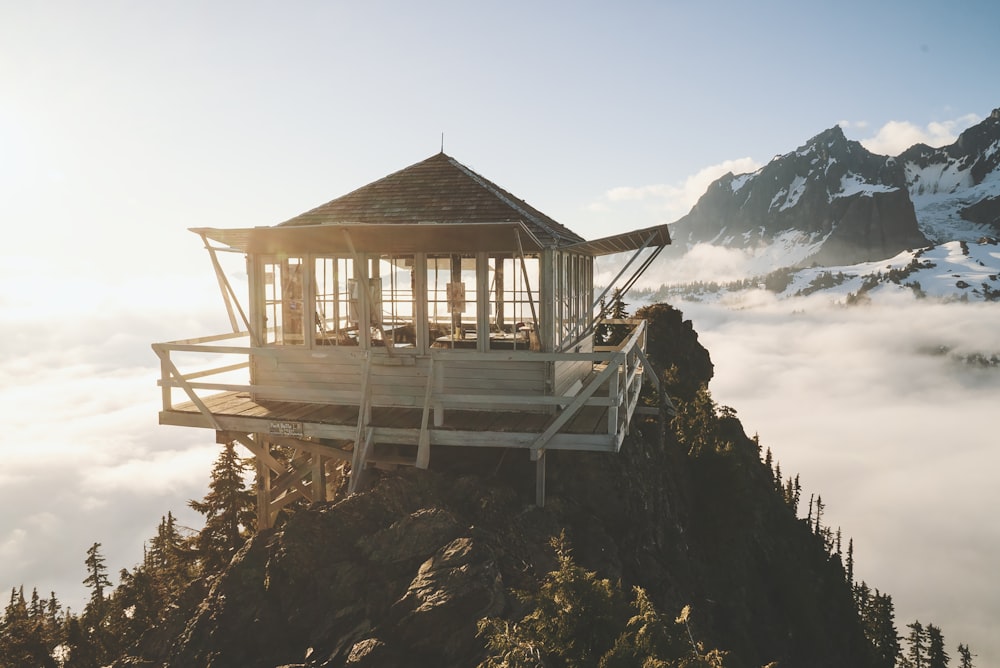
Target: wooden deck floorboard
[(590, 420)]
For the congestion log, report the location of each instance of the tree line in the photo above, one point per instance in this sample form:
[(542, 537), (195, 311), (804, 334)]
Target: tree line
[(923, 646), (39, 632)]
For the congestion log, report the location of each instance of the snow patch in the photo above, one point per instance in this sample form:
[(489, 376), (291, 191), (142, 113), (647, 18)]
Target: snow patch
[(740, 181), (852, 184), (939, 193), (794, 192)]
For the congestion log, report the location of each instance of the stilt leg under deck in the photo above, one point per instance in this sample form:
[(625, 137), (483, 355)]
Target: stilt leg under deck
[(263, 496), (540, 481), (279, 482)]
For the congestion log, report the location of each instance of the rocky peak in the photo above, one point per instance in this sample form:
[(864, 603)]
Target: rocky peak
[(830, 194), (400, 573)]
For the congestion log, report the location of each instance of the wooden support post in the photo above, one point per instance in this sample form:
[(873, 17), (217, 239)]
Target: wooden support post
[(263, 496), (318, 477), (540, 481), (424, 443), (360, 460), (614, 393), (439, 374)]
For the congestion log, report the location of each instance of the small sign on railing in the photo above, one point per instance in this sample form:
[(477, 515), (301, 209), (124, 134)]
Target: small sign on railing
[(283, 428)]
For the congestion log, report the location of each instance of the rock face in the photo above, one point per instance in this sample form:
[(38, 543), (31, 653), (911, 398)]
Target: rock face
[(832, 194), (838, 203), (399, 574)]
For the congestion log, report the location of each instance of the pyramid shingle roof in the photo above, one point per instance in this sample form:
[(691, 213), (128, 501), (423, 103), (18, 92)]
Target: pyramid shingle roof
[(436, 190)]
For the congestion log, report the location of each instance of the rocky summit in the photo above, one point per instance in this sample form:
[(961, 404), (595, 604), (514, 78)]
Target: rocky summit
[(400, 573)]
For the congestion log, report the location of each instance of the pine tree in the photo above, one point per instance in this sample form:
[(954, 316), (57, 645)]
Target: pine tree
[(168, 561), (96, 621), (23, 640), (964, 656), (80, 649), (97, 575), (229, 509), (849, 565), (615, 334), (581, 621), (916, 654), (877, 615), (820, 507), (937, 656)]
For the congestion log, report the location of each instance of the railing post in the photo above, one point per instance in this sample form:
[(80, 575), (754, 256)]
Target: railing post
[(540, 481), (166, 390), (614, 384), (439, 374)]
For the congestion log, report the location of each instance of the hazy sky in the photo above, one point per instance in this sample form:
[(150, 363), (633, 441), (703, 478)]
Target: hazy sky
[(123, 123)]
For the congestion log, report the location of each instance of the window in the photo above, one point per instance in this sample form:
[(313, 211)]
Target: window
[(393, 312), (512, 302), (336, 301), (284, 304), (452, 320)]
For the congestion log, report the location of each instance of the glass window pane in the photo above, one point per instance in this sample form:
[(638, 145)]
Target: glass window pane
[(452, 301), (336, 301), (284, 301), (393, 313)]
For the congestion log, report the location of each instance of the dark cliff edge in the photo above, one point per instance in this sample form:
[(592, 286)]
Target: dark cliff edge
[(399, 574)]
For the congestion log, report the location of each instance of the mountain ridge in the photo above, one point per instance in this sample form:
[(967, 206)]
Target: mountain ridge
[(833, 202)]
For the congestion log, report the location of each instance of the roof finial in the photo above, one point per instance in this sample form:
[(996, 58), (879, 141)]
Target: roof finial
[(442, 142)]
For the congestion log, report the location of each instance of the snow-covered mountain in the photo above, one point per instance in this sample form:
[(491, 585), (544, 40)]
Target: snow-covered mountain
[(833, 202), (962, 270)]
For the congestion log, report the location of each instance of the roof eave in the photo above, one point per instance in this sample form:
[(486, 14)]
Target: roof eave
[(396, 238)]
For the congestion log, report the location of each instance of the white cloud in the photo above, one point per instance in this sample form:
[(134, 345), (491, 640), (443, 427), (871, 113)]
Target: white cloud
[(78, 382), (861, 125), (899, 441), (668, 202), (896, 136)]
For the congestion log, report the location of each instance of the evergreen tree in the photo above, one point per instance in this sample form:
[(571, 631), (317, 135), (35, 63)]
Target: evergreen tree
[(849, 567), (229, 509), (97, 575), (97, 623), (575, 612), (697, 425), (964, 656), (578, 620), (877, 615), (601, 332), (168, 561), (80, 649), (614, 334), (916, 653), (23, 641), (937, 656)]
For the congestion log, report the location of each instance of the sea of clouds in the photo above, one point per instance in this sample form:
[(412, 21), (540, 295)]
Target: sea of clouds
[(880, 413)]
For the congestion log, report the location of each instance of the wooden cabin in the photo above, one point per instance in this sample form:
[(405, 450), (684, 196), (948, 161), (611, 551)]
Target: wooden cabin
[(430, 307)]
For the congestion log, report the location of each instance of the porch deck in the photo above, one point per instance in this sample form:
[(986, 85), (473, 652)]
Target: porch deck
[(237, 411)]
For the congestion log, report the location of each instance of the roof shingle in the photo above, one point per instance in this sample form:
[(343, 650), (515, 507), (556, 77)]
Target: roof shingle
[(436, 190)]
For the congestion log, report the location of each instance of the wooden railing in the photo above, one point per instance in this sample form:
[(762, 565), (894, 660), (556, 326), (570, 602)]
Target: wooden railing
[(614, 384)]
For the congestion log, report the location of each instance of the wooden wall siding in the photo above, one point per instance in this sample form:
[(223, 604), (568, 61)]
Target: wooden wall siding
[(568, 373), (299, 375)]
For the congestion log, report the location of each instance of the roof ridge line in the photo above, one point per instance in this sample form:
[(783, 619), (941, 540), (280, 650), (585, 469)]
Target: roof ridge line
[(506, 198)]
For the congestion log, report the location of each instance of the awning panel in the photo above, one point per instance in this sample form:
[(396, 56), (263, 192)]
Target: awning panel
[(624, 242), (396, 238)]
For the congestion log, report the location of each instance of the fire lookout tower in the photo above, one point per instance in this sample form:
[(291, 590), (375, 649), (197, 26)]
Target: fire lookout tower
[(430, 307)]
